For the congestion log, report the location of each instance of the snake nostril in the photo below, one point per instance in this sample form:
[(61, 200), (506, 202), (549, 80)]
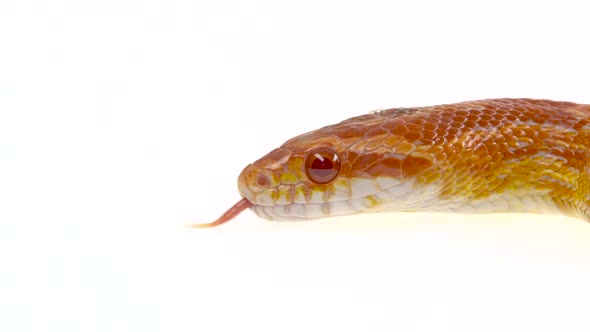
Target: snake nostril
[(262, 180)]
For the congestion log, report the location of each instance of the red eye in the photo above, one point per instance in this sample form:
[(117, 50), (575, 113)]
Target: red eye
[(322, 165)]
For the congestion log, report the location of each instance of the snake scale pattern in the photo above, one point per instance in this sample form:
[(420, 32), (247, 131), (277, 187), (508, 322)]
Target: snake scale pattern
[(486, 156)]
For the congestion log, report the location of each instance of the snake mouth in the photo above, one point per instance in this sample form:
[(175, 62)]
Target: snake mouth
[(300, 212)]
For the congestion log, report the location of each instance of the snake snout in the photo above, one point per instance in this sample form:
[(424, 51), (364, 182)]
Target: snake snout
[(253, 182)]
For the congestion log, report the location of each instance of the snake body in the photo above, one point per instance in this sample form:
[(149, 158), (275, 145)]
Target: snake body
[(486, 156)]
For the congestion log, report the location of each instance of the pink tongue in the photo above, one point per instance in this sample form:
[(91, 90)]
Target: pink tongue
[(240, 206)]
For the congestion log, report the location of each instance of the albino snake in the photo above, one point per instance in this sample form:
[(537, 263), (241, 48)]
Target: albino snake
[(497, 155)]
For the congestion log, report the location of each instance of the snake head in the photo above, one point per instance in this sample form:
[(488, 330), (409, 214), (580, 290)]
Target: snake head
[(364, 164), (342, 169)]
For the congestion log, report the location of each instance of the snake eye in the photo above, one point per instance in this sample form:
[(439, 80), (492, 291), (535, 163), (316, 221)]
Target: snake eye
[(322, 165)]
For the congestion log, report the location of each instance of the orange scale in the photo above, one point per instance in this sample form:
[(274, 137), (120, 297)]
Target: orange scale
[(496, 123), (511, 117), (392, 140), (352, 156), (387, 167), (525, 139), (580, 124), (426, 143), (460, 118), (502, 147), (531, 132), (375, 144), (458, 124), (413, 136), (469, 142), (543, 135), (359, 146), (512, 143), (417, 121), (351, 132), (519, 110), (483, 123), (469, 124), (480, 149), (526, 119), (507, 155), (499, 112), (412, 165), (497, 158), (487, 162), (376, 132), (435, 116), (472, 117), (430, 126), (567, 154), (442, 130), (413, 127), (365, 161), (450, 149), (579, 155), (448, 114), (486, 117), (404, 148), (400, 130), (519, 132), (492, 148), (507, 131), (545, 116), (519, 153), (453, 131), (436, 150), (531, 114), (345, 169), (532, 150), (499, 118), (446, 120), (393, 123), (428, 134), (440, 140)]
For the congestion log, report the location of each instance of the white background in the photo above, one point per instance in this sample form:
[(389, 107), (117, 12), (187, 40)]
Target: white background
[(122, 120)]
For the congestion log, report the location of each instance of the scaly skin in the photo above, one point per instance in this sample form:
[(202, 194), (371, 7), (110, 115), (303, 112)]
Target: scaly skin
[(497, 155)]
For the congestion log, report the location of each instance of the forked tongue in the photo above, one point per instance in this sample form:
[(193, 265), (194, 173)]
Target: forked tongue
[(240, 206)]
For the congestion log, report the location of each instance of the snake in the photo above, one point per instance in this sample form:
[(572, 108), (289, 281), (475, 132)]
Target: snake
[(510, 155)]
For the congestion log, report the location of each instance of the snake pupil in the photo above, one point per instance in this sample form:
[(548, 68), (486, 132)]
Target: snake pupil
[(322, 165)]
